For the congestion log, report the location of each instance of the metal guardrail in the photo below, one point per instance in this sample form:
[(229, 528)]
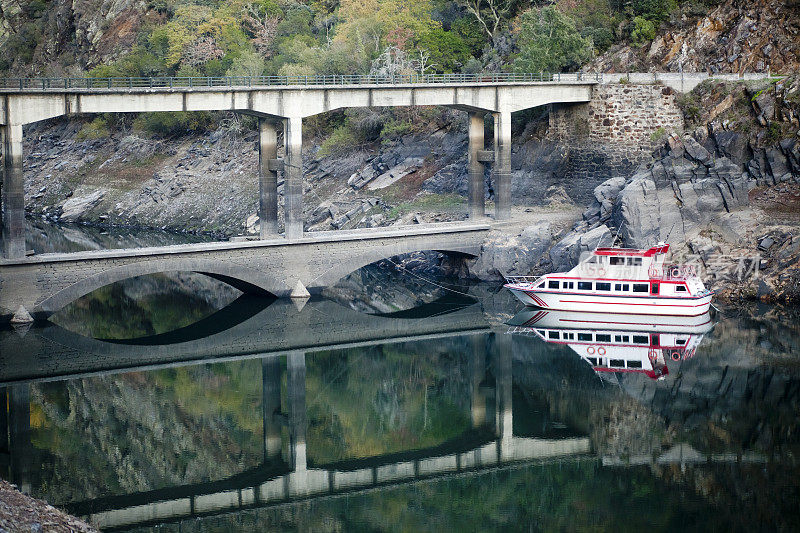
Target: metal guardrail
[(272, 81)]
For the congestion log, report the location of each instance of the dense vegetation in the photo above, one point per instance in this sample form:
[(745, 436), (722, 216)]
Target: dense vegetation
[(308, 37), (293, 37)]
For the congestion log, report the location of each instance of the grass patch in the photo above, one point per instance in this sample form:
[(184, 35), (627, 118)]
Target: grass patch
[(96, 129), (428, 203), (340, 140)]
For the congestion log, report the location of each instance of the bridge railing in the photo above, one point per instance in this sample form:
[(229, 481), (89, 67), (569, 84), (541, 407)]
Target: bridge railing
[(270, 81)]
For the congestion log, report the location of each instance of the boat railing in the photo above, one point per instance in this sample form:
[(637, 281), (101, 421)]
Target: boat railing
[(521, 279), (522, 330), (672, 272)]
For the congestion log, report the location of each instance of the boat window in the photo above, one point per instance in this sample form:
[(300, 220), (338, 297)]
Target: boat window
[(552, 284), (654, 288), (569, 336), (618, 363), (584, 336), (680, 342), (539, 286), (640, 287), (601, 337), (553, 334), (640, 339), (634, 364), (603, 286), (617, 260), (634, 261), (592, 259), (542, 332), (584, 285), (567, 285), (680, 288), (592, 360), (626, 287), (622, 338)]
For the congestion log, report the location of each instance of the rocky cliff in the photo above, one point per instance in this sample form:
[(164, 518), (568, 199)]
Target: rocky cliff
[(735, 36)]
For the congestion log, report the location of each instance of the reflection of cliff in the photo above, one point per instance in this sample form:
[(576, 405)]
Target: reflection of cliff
[(401, 283), (145, 305), (739, 392), (142, 431)]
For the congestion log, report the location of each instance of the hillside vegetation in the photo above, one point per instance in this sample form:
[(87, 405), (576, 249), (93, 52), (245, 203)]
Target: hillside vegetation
[(291, 37)]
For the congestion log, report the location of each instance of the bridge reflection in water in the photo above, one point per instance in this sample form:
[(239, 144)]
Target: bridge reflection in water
[(288, 472)]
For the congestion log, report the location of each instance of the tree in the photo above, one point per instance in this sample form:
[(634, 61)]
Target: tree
[(262, 23), (491, 15), (548, 41), (446, 50)]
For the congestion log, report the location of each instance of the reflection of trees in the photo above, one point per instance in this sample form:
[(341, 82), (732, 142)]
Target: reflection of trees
[(141, 431), (384, 400)]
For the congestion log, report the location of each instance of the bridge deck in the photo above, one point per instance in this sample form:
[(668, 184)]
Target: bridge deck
[(340, 236)]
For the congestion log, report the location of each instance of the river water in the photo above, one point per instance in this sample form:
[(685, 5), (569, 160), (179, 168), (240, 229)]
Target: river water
[(176, 403)]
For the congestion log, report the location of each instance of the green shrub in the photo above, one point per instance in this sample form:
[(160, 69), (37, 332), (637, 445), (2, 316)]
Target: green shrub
[(340, 140), (643, 31), (96, 129), (658, 135), (394, 128), (172, 124)]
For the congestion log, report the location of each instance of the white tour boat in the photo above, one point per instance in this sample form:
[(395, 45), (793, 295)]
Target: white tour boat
[(618, 280)]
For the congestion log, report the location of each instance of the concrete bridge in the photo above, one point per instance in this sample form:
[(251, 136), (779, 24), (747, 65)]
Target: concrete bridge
[(251, 327), (43, 284), (26, 101)]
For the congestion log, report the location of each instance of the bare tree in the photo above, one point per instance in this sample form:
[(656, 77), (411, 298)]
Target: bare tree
[(262, 25), (490, 14)]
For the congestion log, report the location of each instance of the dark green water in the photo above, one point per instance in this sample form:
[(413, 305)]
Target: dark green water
[(408, 409)]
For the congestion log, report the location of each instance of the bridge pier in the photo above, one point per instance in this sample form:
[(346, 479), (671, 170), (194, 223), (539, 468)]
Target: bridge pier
[(296, 393), (478, 400), (477, 204), (19, 416), (502, 165), (293, 177), (271, 405), (504, 418), (12, 201), (267, 178)]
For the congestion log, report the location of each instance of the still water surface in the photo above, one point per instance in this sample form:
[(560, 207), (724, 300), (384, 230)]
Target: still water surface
[(174, 403)]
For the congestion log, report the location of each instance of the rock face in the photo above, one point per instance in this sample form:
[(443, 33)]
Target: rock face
[(503, 255), (567, 252), (735, 36), (75, 208)]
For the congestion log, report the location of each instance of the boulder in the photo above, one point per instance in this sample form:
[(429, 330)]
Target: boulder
[(504, 255), (638, 213), (696, 152), (566, 253), (77, 207), (733, 145), (778, 165), (450, 179)]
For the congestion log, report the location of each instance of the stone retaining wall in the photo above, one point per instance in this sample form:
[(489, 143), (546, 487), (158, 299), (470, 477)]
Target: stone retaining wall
[(626, 114)]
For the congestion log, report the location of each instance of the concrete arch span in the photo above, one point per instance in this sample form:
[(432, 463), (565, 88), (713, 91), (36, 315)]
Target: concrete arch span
[(241, 277), (43, 284)]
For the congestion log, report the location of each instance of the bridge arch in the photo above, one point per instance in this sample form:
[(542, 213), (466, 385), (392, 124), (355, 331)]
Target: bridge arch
[(239, 276), (370, 256)]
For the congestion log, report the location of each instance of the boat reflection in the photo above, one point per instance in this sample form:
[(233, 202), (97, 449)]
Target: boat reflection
[(617, 343)]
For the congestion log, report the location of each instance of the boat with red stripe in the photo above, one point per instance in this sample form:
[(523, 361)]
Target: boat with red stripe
[(618, 280)]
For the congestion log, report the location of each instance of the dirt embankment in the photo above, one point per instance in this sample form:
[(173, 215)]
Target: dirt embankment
[(19, 512)]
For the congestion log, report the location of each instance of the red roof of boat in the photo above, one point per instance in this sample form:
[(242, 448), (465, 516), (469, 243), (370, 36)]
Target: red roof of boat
[(659, 249)]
